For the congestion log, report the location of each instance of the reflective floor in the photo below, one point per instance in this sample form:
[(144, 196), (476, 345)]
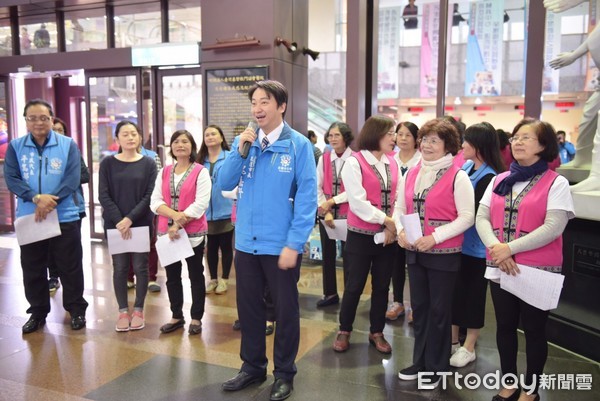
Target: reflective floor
[(97, 363)]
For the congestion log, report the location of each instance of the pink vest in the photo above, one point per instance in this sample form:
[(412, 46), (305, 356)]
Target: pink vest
[(527, 213), (437, 206), (340, 211), (375, 193), (185, 196)]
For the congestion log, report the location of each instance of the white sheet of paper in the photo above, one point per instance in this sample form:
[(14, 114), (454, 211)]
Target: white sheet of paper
[(339, 232), (379, 238), (537, 287), (139, 241), (170, 252), (412, 227), (29, 231)]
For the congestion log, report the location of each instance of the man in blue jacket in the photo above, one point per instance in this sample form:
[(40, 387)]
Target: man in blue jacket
[(566, 150), (43, 170), (277, 197)]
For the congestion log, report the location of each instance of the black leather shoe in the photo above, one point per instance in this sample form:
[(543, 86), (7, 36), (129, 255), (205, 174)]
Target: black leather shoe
[(78, 322), (281, 390), (169, 327), (195, 329), (513, 397), (242, 380), (326, 301), (33, 324), (237, 326), (270, 329)]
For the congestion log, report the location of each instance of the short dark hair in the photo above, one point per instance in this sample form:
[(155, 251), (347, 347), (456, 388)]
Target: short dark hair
[(414, 130), (311, 134), (64, 125), (272, 88), (203, 153), (502, 138), (561, 132), (375, 128), (546, 136), (483, 138), (345, 130), (445, 130), (177, 134), (38, 102), (459, 125)]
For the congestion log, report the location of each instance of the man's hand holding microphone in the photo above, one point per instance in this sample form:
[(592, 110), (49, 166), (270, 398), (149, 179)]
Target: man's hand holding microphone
[(247, 138)]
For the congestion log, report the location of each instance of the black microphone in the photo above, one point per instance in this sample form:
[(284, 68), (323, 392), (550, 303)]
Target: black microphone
[(246, 148)]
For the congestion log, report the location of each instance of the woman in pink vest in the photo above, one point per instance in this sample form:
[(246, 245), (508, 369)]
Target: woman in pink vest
[(442, 196), (521, 218), (333, 204), (407, 157), (370, 177), (180, 198)]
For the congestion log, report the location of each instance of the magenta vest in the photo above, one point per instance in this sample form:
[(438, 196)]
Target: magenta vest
[(333, 185), (380, 197), (527, 213), (180, 198), (435, 206)]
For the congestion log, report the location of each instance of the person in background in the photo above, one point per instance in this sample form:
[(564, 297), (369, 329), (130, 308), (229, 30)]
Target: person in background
[(153, 285), (41, 37), (333, 204), (407, 157), (409, 15), (212, 155), (60, 127), (481, 150), (26, 166), (566, 150), (313, 139), (276, 208), (457, 17), (3, 138), (505, 151), (459, 160), (126, 181), (370, 177), (521, 218), (442, 196), (25, 40), (180, 199)]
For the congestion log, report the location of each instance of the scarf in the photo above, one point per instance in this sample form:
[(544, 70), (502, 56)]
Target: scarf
[(520, 173), (429, 170)]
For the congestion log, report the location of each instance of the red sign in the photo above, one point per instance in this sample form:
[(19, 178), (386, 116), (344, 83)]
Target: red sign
[(416, 109), (564, 104), (482, 108), (520, 107)]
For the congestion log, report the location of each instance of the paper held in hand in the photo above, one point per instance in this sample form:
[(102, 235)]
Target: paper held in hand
[(138, 243), (412, 227), (171, 251), (30, 231)]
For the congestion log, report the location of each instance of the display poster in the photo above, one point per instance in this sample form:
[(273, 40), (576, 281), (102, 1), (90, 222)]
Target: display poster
[(429, 49), (227, 103), (485, 49), (390, 19)]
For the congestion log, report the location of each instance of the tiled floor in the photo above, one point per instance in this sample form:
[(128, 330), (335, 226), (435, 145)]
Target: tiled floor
[(98, 363)]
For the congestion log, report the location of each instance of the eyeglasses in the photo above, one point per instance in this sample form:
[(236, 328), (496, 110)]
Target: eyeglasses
[(431, 141), (33, 119), (392, 134), (334, 135), (524, 138)]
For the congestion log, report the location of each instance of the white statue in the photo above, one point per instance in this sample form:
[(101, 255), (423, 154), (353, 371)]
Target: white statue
[(588, 141)]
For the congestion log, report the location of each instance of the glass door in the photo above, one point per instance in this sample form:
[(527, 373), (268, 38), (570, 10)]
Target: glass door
[(7, 210), (112, 97), (180, 106)]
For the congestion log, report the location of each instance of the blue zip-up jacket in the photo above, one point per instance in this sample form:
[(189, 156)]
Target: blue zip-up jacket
[(472, 244), (219, 207), (277, 194), (55, 169)]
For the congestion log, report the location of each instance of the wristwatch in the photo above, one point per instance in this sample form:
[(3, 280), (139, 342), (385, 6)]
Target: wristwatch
[(36, 199)]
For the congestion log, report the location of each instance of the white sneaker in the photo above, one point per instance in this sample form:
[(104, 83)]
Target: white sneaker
[(211, 286), (454, 348), (221, 286), (462, 357)]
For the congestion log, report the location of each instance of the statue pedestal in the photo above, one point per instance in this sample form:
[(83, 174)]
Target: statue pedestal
[(586, 205), (574, 174)]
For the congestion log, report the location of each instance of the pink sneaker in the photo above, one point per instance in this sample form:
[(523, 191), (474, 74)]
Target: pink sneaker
[(123, 322), (137, 320)]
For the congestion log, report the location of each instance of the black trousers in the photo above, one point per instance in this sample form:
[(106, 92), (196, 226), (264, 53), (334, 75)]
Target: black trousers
[(509, 309), (329, 259), (365, 256), (399, 273), (175, 287), (223, 241), (253, 273), (67, 252), (431, 291)]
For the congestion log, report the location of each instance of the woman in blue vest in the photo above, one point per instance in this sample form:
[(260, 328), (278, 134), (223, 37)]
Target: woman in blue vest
[(484, 161), (213, 151)]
